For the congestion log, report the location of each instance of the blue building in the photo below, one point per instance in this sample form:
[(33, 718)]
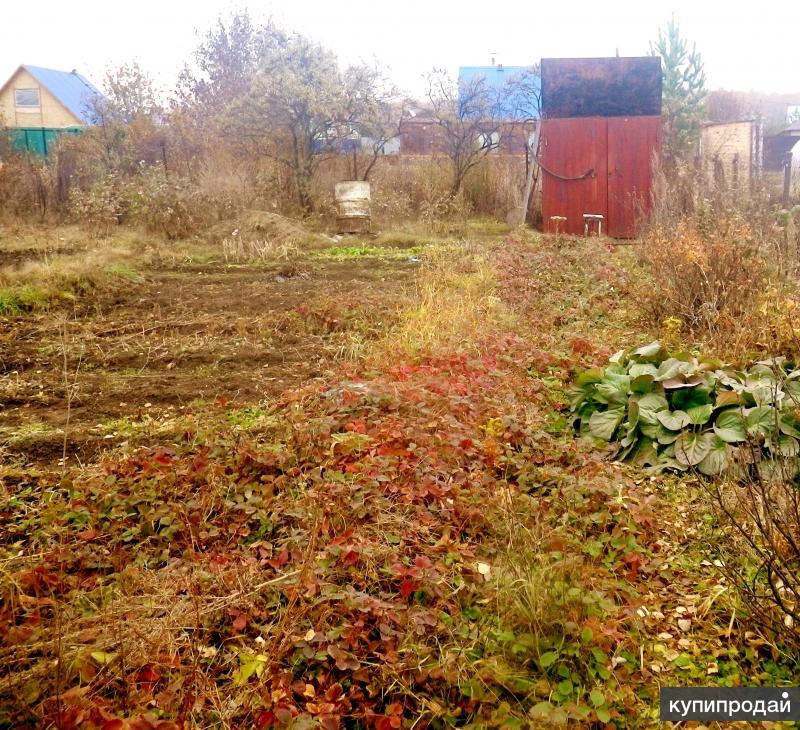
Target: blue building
[(38, 105), (523, 87)]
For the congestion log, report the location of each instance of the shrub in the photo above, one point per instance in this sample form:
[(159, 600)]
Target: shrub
[(172, 207), (758, 546), (707, 271), (101, 206), (25, 188), (722, 261)]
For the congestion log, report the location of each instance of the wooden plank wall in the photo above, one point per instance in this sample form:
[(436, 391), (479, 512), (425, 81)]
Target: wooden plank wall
[(619, 152)]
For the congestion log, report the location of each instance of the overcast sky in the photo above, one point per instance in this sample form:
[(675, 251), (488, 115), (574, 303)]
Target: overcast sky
[(744, 47)]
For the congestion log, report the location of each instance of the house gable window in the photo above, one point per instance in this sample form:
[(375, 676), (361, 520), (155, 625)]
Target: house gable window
[(26, 98)]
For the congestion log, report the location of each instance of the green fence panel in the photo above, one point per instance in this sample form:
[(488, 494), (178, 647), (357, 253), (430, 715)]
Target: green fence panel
[(38, 141)]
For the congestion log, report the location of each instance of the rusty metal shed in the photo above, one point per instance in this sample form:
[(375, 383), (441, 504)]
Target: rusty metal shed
[(601, 132)]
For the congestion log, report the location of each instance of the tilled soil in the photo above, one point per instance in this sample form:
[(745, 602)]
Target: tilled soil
[(180, 340)]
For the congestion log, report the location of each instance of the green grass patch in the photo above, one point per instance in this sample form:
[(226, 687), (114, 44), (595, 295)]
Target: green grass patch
[(340, 253), (18, 300), (123, 271), (404, 239), (247, 418), (204, 258)]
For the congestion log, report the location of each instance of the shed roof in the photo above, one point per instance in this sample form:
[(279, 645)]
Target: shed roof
[(72, 89), (790, 131), (601, 87), (746, 120)]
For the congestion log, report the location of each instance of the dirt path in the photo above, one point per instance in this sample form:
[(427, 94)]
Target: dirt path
[(178, 341)]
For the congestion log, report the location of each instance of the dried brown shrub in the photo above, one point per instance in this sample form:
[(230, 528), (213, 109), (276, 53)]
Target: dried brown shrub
[(707, 272)]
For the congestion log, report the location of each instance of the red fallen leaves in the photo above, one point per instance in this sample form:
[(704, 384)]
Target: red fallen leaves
[(141, 723), (581, 346), (391, 450), (344, 659), (163, 457), (393, 718), (280, 560), (412, 575), (643, 511), (358, 426), (350, 558), (281, 716), (147, 676), (342, 538), (75, 710), (428, 461), (41, 579), (633, 563), (240, 622), (407, 587)]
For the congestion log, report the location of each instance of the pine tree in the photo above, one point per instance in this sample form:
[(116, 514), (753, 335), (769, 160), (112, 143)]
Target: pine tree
[(684, 93)]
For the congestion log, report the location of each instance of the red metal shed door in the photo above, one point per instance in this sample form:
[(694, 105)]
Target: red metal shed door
[(632, 142), (571, 148)]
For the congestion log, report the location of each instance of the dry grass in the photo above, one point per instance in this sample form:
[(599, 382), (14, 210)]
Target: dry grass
[(238, 249), (48, 263), (495, 186), (759, 521), (56, 269), (49, 268), (708, 275), (409, 188), (221, 176), (147, 619), (257, 235), (455, 304), (719, 268)]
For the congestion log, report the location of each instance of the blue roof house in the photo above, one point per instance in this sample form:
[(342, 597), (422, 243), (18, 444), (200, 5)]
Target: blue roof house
[(38, 104), (518, 88)]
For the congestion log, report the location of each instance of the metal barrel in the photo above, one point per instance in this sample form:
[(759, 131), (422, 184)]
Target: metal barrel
[(353, 206)]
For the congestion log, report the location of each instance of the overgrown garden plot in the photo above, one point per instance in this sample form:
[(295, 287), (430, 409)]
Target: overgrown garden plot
[(412, 538)]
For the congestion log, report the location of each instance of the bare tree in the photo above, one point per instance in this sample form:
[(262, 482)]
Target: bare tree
[(519, 98), (300, 108), (292, 109), (127, 121), (130, 94), (473, 115), (372, 113), (466, 114), (225, 63)]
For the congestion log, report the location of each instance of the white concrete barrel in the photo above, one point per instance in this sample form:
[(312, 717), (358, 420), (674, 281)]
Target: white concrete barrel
[(353, 206)]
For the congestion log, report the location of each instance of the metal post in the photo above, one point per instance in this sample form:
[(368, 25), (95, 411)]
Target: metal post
[(787, 178)]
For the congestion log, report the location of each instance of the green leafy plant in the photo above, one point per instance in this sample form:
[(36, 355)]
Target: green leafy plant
[(679, 412)]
